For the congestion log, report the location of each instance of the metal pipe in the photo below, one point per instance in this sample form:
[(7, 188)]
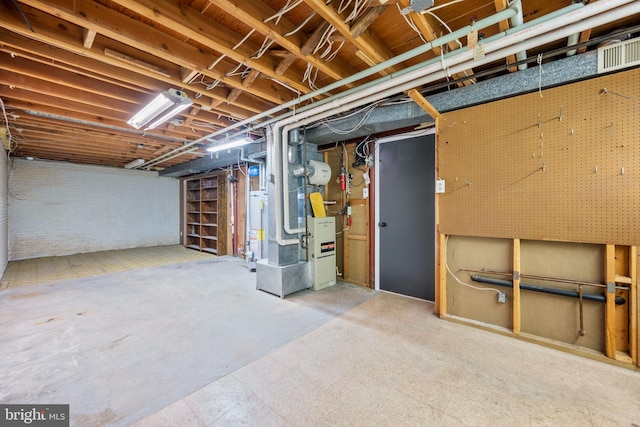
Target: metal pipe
[(562, 292), (544, 278), (580, 297)]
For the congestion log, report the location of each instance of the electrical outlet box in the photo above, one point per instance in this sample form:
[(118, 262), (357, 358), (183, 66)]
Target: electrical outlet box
[(502, 297)]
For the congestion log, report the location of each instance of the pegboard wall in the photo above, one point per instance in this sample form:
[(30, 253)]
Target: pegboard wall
[(561, 164)]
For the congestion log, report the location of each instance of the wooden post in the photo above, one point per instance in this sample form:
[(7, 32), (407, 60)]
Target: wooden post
[(516, 286), (610, 309), (441, 288), (633, 301)]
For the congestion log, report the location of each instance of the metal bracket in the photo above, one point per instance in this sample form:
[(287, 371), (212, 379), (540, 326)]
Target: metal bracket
[(516, 275), (611, 288)]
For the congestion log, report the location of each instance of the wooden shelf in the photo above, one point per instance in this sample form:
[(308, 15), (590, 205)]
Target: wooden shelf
[(204, 213)]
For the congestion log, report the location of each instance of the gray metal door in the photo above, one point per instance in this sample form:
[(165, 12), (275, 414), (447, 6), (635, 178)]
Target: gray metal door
[(407, 216)]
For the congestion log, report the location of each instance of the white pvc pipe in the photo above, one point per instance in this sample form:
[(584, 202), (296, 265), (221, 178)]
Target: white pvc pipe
[(572, 40), (516, 21), (587, 17)]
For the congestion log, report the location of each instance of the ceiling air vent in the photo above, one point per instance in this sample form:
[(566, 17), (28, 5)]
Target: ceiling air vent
[(619, 55)]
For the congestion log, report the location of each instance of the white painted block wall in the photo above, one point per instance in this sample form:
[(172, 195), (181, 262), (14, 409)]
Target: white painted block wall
[(58, 208), (4, 231)]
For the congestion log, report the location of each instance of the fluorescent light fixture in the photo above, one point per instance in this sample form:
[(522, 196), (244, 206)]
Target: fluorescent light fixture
[(234, 143), (162, 108), (134, 163)]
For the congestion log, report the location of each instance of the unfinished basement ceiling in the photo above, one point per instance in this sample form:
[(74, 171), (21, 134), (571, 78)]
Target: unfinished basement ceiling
[(73, 72)]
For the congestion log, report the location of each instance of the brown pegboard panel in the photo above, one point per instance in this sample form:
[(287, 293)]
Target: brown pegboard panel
[(564, 166)]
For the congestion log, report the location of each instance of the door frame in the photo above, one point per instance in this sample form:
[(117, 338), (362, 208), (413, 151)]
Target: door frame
[(414, 134)]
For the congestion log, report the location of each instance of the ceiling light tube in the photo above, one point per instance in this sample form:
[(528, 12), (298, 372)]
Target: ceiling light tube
[(234, 143), (164, 106), (134, 163)]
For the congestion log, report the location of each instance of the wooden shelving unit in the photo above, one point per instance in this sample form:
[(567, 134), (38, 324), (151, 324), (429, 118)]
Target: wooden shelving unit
[(205, 214)]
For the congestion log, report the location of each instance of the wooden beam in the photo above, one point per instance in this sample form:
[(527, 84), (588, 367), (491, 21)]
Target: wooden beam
[(365, 21), (64, 48), (250, 78), (234, 94), (633, 305), (141, 36), (254, 14), (584, 37), (186, 75), (196, 26), (49, 48), (88, 37), (367, 42), (423, 103), (315, 38), (516, 287), (136, 62), (286, 62), (610, 305)]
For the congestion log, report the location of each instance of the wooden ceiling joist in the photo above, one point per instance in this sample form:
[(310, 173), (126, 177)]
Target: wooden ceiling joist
[(254, 14), (366, 42), (104, 20)]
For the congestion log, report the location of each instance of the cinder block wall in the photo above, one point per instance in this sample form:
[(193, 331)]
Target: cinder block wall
[(58, 208)]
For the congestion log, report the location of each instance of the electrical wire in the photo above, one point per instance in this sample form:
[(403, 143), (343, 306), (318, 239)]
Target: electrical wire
[(363, 120), (266, 44), (299, 27), (243, 39), (446, 241), (444, 24), (411, 24), (6, 119), (286, 8)]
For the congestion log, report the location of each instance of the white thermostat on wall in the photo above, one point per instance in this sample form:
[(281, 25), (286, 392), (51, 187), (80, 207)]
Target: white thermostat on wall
[(439, 186)]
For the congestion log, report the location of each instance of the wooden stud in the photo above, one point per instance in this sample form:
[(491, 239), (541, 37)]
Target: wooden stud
[(610, 308), (633, 301), (441, 288), (516, 286)]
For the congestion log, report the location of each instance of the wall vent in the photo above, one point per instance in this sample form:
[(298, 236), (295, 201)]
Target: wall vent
[(619, 55)]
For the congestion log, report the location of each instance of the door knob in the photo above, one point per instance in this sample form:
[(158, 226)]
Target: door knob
[(382, 224)]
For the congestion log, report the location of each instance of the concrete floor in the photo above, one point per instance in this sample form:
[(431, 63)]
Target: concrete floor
[(36, 271), (195, 344)]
